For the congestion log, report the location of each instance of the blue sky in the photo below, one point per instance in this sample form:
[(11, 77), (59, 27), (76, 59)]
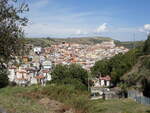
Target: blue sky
[(118, 19)]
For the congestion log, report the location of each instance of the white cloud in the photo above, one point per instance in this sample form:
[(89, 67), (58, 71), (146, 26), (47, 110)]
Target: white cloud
[(102, 28), (147, 27), (79, 32)]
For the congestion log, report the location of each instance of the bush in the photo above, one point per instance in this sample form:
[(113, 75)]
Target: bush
[(146, 62), (81, 104), (69, 95), (12, 84), (146, 48), (3, 78), (76, 83), (59, 92), (72, 74)]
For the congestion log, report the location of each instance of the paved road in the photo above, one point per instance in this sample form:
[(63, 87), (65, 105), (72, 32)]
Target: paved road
[(2, 110)]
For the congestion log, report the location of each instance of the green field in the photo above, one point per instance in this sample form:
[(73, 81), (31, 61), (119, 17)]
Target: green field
[(26, 100)]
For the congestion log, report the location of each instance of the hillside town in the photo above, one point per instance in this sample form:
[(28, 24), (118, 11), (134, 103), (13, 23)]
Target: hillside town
[(36, 67), (74, 56)]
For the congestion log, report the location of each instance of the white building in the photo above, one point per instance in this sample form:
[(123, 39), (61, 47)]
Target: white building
[(37, 50), (102, 81), (12, 73), (108, 44), (105, 81), (47, 65), (47, 75)]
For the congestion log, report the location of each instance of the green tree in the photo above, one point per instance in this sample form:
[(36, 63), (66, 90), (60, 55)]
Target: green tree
[(59, 72), (3, 77), (72, 74), (101, 67), (11, 33), (146, 48), (117, 66), (146, 86), (77, 72)]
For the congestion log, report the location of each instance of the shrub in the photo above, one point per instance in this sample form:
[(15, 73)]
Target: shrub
[(69, 95), (72, 74), (146, 48), (12, 84), (81, 104), (3, 78), (76, 83)]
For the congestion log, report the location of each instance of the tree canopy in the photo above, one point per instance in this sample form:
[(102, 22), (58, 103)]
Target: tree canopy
[(11, 34), (72, 74), (146, 48)]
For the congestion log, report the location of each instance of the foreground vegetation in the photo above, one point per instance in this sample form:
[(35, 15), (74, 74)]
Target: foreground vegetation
[(26, 100), (72, 74)]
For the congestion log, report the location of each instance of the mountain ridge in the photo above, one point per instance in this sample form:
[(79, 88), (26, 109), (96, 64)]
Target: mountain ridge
[(44, 42)]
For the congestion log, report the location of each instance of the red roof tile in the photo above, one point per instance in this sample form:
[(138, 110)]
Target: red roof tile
[(39, 77), (105, 78), (45, 71)]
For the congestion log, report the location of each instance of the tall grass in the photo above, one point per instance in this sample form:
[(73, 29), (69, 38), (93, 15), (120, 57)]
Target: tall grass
[(25, 100), (78, 100)]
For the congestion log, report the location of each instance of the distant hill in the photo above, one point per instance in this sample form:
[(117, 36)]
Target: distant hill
[(85, 40), (130, 44), (44, 42), (82, 40)]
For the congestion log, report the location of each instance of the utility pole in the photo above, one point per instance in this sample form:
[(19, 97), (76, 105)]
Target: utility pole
[(88, 82)]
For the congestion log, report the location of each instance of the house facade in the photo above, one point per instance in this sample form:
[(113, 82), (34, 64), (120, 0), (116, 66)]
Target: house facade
[(102, 81)]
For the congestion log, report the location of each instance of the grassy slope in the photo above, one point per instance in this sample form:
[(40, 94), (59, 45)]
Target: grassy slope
[(10, 100), (25, 100), (119, 106)]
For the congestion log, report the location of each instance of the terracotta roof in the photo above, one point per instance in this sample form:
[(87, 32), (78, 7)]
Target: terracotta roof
[(45, 71), (22, 71), (21, 79), (105, 78), (13, 67), (30, 69), (39, 77)]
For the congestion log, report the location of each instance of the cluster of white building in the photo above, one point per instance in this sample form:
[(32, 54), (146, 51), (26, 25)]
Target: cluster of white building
[(85, 55), (30, 72)]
